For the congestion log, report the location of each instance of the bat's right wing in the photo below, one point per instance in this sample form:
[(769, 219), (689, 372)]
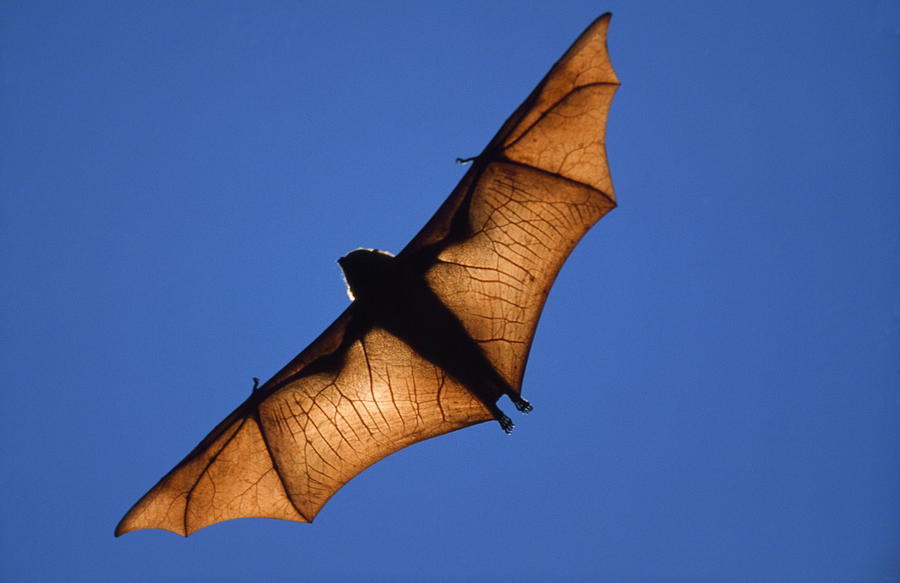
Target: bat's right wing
[(494, 247)]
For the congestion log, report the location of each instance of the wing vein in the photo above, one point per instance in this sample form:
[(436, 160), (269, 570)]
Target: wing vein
[(265, 440)]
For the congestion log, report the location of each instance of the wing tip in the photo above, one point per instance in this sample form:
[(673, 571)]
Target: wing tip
[(136, 519), (600, 28), (601, 23), (124, 528)]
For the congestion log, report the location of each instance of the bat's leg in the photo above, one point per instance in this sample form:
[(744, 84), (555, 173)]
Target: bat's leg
[(504, 421), (520, 403)]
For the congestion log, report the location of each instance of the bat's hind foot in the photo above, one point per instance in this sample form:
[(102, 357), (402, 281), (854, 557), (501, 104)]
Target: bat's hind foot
[(505, 422), (521, 404)]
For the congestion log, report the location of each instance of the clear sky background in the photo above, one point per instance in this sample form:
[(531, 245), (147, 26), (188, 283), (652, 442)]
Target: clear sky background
[(716, 376)]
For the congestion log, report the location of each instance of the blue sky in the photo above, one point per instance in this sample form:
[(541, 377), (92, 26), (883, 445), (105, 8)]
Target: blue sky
[(716, 373)]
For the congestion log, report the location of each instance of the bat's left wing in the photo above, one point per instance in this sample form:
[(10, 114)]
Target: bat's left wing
[(354, 396)]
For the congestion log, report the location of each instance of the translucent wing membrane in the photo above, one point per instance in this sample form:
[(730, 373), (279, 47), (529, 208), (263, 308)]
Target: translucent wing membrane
[(285, 457)]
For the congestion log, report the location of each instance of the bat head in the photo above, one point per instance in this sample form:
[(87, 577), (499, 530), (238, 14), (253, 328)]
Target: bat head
[(364, 269)]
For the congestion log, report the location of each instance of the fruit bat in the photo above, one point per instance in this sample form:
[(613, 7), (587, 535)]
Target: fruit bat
[(434, 336)]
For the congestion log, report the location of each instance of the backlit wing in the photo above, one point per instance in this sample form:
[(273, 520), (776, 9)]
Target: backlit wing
[(499, 240)]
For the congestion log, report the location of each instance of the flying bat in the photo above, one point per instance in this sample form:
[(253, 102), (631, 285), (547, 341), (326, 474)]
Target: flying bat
[(434, 336)]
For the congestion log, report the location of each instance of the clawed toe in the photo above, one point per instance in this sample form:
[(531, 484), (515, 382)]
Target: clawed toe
[(523, 405), (506, 423)]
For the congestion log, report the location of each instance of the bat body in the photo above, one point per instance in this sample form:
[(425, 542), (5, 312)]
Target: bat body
[(433, 337), (391, 293)]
